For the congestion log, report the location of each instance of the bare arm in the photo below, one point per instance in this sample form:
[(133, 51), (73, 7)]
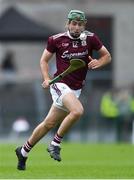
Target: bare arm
[(46, 56), (104, 58)]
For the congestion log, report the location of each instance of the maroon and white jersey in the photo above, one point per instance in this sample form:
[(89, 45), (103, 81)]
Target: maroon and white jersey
[(67, 48)]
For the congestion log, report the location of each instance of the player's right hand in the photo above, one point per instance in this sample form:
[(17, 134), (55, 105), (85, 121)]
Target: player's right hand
[(45, 83), (94, 63)]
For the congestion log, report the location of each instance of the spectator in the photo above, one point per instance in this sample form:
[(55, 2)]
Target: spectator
[(8, 68), (8, 62)]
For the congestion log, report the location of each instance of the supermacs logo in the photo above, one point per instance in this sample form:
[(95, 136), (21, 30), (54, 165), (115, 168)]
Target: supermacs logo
[(68, 55)]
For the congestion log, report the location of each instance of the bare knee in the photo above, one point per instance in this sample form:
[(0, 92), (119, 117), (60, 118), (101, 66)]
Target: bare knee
[(77, 112)]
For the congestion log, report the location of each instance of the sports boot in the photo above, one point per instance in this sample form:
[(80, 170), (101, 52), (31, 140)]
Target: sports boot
[(21, 160), (54, 152)]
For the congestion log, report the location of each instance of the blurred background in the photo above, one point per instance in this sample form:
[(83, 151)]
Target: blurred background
[(108, 97)]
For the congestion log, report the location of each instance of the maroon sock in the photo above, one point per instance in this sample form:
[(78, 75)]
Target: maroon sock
[(57, 139), (27, 146)]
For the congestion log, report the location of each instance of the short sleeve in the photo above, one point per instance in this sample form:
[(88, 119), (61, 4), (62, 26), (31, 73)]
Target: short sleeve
[(96, 42), (51, 45)]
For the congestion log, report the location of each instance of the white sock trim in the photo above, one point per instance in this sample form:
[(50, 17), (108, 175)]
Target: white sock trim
[(23, 152), (55, 144)]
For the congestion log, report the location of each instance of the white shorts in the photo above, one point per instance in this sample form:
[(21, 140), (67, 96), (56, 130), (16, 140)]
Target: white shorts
[(58, 91)]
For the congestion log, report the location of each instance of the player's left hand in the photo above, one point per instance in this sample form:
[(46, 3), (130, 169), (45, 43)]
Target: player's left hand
[(94, 63)]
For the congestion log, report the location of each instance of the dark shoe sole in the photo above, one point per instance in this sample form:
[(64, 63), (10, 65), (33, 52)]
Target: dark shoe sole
[(18, 166), (52, 155)]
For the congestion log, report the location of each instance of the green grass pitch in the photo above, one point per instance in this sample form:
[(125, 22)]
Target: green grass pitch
[(79, 161)]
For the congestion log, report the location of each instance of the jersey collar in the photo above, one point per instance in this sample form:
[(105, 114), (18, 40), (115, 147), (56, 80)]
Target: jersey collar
[(71, 36)]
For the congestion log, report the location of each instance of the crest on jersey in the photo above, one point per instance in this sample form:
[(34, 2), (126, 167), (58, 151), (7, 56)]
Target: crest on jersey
[(83, 43)]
